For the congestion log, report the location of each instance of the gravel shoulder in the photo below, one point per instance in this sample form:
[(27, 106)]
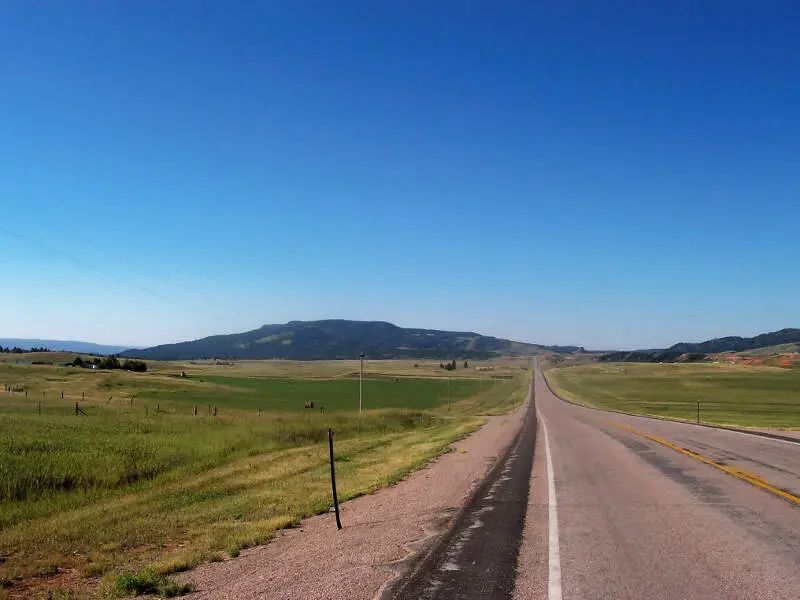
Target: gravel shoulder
[(381, 532)]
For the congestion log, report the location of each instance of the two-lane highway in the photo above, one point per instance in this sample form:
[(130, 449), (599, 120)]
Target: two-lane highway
[(655, 509), (624, 508)]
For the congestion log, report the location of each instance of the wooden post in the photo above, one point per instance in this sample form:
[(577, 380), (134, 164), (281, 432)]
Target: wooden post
[(195, 411), (83, 396), (40, 407), (215, 411), (62, 395), (333, 480), (77, 409), (360, 385)]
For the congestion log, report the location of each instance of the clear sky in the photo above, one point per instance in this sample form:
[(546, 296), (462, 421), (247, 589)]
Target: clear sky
[(612, 174)]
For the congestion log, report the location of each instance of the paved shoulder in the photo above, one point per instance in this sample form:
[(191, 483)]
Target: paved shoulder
[(477, 559)]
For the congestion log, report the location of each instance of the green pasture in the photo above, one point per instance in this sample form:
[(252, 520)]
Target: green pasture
[(737, 395), (283, 394), (137, 480)]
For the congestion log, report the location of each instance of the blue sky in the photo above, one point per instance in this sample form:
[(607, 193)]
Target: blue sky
[(612, 174)]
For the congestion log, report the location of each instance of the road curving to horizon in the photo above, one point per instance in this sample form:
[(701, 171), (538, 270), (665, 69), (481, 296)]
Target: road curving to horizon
[(657, 509), (625, 507)]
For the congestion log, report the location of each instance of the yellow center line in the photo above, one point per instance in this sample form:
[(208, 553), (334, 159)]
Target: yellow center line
[(736, 472)]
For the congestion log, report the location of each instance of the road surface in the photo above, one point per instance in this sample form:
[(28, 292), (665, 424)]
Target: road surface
[(622, 507)]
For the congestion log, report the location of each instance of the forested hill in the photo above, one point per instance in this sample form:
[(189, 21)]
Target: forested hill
[(739, 344), (333, 339), (685, 352)]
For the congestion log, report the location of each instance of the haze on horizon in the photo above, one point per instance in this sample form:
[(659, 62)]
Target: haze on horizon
[(608, 176)]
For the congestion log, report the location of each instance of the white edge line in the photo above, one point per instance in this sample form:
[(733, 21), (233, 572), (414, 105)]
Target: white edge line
[(765, 438), (554, 552)]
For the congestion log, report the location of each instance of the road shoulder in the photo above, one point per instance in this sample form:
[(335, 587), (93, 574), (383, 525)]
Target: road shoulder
[(381, 531)]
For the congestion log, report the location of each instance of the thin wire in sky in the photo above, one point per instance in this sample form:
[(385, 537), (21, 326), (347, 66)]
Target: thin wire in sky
[(91, 267)]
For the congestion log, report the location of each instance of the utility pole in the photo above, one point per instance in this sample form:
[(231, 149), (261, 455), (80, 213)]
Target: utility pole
[(360, 385)]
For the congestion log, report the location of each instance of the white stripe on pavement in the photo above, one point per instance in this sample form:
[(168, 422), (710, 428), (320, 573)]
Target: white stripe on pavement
[(554, 575)]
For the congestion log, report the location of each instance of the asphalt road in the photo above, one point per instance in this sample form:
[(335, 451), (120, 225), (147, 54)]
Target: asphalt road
[(655, 509), (617, 507)]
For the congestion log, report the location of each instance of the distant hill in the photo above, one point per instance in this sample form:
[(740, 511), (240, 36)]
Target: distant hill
[(740, 344), (338, 338), (657, 356), (62, 346), (779, 349), (785, 340)]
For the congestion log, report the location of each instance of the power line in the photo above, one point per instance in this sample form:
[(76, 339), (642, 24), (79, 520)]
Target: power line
[(91, 267), (161, 275)]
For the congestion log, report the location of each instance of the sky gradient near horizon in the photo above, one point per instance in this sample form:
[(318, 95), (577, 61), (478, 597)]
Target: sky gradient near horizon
[(614, 175)]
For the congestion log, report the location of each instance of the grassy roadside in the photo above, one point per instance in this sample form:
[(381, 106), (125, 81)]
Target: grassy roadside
[(228, 483), (734, 395), (174, 526)]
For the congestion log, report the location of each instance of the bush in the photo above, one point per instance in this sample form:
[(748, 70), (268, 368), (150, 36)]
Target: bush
[(109, 362), (138, 366), (112, 362)]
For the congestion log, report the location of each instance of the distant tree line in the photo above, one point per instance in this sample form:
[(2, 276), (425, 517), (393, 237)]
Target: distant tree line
[(18, 350), (451, 366), (666, 356), (111, 362), (740, 344)]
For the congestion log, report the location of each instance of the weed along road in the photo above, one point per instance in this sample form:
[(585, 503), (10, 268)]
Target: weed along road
[(613, 506), (644, 508)]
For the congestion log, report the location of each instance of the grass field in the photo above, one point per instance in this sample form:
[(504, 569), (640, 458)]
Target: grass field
[(738, 395), (139, 481), (282, 394)]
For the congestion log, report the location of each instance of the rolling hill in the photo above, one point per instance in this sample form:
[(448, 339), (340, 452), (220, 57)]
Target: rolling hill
[(775, 342), (771, 350), (62, 346), (740, 344), (338, 338)]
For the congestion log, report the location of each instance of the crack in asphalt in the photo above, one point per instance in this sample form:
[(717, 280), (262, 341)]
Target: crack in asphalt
[(477, 558)]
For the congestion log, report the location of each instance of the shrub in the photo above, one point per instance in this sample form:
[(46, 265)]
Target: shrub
[(109, 362), (138, 366), (147, 581)]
